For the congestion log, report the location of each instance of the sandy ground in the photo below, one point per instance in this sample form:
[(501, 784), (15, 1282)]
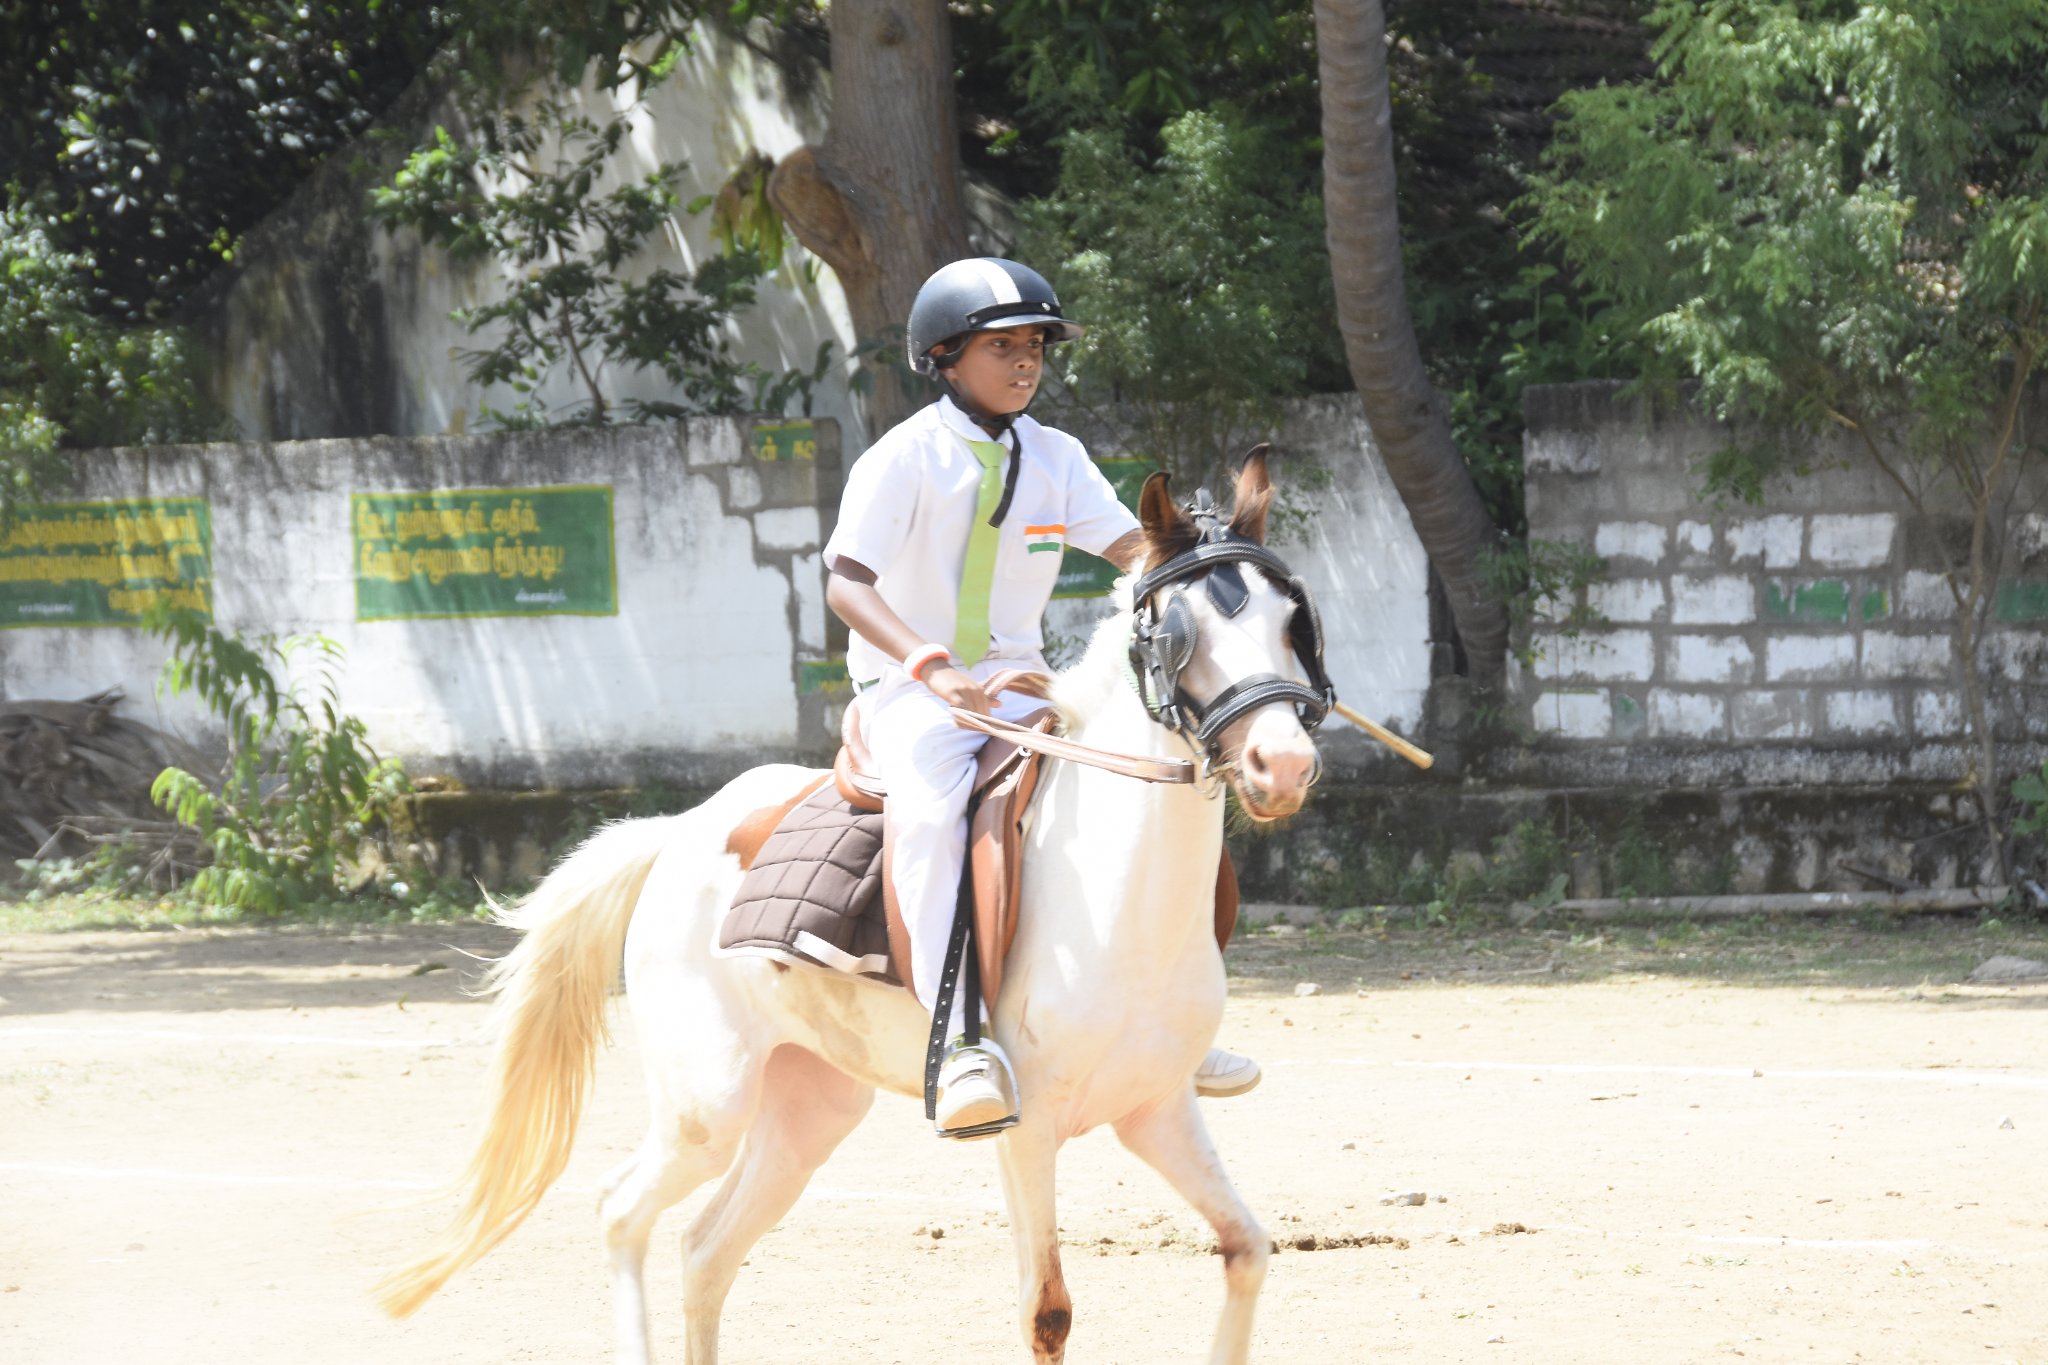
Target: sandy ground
[(198, 1131)]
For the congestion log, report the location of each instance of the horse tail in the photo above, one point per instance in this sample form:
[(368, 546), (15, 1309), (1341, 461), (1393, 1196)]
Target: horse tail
[(549, 1016)]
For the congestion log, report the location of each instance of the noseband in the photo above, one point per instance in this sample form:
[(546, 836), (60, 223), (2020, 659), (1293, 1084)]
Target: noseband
[(1164, 636)]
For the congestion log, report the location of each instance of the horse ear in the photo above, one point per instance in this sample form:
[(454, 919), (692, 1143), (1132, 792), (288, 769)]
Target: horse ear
[(1254, 495), (1168, 531), (1155, 505)]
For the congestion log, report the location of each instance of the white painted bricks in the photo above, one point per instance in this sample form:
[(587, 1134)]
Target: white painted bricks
[(1925, 596), (1690, 715), (788, 528), (1622, 655), (1937, 714), (1721, 601), (1774, 540), (1859, 541), (2017, 656), (1696, 537), (1863, 713), (1574, 715), (1770, 715), (807, 575), (1708, 659), (715, 443), (1798, 657), (2030, 537), (742, 488), (1644, 540), (1887, 657), (1627, 599)]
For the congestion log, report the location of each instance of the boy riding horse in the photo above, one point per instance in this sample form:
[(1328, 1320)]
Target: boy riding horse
[(945, 555)]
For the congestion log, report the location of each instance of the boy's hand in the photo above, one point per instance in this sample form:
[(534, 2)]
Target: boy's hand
[(956, 688)]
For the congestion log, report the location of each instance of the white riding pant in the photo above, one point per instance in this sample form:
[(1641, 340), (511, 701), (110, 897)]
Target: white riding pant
[(927, 763)]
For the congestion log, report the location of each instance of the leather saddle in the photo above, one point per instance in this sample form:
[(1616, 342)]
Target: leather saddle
[(817, 889)]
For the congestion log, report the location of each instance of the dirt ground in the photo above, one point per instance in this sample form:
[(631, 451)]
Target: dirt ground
[(1634, 1148)]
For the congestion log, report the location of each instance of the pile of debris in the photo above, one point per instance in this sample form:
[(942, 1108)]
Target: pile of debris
[(74, 776)]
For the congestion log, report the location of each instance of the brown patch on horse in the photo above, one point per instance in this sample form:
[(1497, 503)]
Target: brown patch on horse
[(1254, 497), (1054, 1317), (1168, 530), (1226, 901), (749, 834)]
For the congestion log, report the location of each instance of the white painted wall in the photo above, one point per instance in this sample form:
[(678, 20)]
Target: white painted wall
[(1358, 553), (720, 598), (699, 660)]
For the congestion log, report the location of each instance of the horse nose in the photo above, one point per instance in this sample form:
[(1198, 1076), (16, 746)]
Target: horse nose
[(1280, 770)]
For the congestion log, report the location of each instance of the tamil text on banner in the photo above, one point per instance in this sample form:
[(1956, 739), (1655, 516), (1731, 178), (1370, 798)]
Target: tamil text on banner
[(484, 552), (105, 563)]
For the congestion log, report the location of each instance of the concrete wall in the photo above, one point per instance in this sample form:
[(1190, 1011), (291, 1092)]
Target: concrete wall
[(1350, 538), (327, 325), (1820, 619), (720, 620), (721, 653)]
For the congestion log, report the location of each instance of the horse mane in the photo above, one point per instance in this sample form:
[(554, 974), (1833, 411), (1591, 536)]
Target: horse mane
[(1079, 690)]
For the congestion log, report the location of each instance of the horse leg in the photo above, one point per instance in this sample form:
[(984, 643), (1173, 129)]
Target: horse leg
[(807, 1109), (1028, 1155), (1170, 1138), (692, 1136)]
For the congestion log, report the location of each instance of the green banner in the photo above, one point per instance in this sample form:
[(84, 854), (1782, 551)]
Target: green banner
[(484, 552), (105, 563), (785, 441), (1082, 574)]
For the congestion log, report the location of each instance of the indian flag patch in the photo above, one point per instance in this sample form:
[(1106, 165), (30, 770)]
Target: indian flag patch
[(1053, 538)]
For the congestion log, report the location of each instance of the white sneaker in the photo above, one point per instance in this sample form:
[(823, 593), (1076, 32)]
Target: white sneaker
[(977, 1095), (1223, 1074)]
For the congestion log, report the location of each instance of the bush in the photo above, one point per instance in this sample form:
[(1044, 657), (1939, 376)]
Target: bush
[(302, 790)]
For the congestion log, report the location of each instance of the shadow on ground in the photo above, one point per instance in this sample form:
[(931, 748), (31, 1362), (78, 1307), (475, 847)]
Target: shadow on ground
[(213, 968), (209, 969), (1925, 957)]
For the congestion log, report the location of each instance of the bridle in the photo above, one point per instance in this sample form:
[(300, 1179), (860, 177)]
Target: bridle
[(1164, 636)]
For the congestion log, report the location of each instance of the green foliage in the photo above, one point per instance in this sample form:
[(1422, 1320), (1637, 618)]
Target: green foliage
[(2031, 791), (1545, 581), (302, 789), (1828, 216), (1639, 864), (526, 194), (1201, 276), (68, 377), (1152, 61), (160, 130)]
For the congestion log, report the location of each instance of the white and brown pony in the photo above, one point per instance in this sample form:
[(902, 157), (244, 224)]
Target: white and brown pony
[(1112, 992)]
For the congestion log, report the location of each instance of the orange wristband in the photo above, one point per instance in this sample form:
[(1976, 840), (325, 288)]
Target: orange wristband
[(920, 659)]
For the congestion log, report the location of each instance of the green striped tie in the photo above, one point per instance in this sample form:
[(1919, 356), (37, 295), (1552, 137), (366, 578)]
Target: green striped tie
[(978, 572)]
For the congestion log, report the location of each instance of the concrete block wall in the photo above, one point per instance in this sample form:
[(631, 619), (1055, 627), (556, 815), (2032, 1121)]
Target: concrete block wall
[(1820, 619), (712, 662)]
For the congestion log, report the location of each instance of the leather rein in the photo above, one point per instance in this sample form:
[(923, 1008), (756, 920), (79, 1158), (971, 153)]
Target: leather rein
[(1200, 725)]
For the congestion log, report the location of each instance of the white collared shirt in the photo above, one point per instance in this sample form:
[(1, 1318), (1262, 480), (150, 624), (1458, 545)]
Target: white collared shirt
[(908, 510)]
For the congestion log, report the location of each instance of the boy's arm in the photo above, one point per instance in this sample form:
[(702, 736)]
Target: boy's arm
[(850, 592)]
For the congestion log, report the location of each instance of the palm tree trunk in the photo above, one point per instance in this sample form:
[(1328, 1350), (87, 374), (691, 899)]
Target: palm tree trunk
[(880, 200), (1407, 416)]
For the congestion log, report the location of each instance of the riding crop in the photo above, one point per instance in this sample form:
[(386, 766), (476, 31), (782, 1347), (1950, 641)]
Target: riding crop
[(1421, 758)]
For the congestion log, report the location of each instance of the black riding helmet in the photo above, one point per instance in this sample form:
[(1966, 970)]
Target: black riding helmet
[(980, 294)]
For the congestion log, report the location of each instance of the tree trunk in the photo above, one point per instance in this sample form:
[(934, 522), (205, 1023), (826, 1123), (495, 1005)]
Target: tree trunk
[(1408, 418), (880, 200)]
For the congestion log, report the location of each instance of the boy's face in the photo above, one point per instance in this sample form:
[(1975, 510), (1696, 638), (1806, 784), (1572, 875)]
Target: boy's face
[(1000, 370)]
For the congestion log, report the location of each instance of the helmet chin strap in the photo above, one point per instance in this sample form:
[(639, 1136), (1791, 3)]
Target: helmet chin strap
[(998, 425)]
